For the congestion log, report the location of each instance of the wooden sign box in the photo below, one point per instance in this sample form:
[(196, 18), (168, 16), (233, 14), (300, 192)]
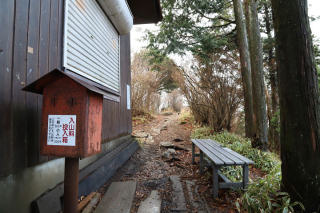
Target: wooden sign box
[(71, 115)]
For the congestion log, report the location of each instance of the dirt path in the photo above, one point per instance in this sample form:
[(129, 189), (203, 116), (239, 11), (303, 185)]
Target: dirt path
[(152, 170)]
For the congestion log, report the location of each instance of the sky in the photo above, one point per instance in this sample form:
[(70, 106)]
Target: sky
[(138, 31)]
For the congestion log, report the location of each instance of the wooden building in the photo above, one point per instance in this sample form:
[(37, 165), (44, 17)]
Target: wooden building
[(85, 39)]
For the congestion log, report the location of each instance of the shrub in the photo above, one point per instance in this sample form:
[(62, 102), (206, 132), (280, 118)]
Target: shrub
[(186, 116), (263, 194)]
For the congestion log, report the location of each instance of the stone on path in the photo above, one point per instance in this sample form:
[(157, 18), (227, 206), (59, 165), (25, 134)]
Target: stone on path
[(195, 199), (169, 153), (156, 131), (152, 204), (178, 199), (165, 127), (149, 139), (93, 202), (167, 144), (118, 198), (141, 135)]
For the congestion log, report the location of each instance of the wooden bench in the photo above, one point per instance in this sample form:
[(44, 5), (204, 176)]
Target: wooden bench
[(221, 156)]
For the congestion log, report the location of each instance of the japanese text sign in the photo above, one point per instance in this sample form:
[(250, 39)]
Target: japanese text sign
[(62, 130)]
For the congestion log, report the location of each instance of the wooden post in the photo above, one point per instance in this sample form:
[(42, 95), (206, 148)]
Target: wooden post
[(71, 181), (215, 181), (245, 174), (193, 152), (201, 162)]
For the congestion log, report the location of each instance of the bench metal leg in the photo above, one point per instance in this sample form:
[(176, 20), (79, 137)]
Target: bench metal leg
[(245, 170), (193, 154), (215, 181), (201, 162)]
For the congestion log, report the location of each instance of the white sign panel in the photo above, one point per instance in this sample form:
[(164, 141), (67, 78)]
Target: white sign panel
[(128, 97), (62, 130)]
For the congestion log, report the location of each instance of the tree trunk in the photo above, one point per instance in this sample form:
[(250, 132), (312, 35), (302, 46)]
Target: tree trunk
[(259, 99), (299, 103), (274, 135), (247, 19), (245, 66)]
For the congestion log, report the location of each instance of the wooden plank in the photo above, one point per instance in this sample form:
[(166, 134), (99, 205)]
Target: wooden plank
[(215, 159), (60, 33), (116, 117), (217, 151), (231, 154), (53, 37), (230, 185), (223, 177), (6, 51), (214, 142), (201, 162), (215, 181), (18, 82), (123, 82), (43, 52), (193, 153), (206, 149), (248, 161), (85, 201), (220, 149), (33, 121), (127, 66), (245, 176), (129, 112), (44, 38)]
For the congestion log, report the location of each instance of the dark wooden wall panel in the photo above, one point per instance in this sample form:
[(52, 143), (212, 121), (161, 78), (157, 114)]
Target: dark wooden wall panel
[(33, 122), (116, 117), (18, 82), (6, 43), (129, 116), (44, 29), (53, 35), (31, 39), (30, 45)]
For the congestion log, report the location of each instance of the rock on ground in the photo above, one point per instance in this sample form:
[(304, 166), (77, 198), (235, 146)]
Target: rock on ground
[(118, 198), (169, 153), (167, 144), (152, 204), (178, 198)]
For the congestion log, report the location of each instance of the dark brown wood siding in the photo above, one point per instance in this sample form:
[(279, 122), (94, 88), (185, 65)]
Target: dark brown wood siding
[(116, 118), (30, 46)]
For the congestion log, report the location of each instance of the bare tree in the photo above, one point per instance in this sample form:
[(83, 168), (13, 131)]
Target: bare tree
[(145, 85), (213, 89)]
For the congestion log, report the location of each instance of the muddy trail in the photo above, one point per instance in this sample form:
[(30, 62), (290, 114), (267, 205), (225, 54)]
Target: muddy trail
[(163, 165)]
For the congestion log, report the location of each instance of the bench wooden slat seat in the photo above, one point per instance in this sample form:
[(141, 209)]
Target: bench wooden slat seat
[(221, 156), (238, 159)]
